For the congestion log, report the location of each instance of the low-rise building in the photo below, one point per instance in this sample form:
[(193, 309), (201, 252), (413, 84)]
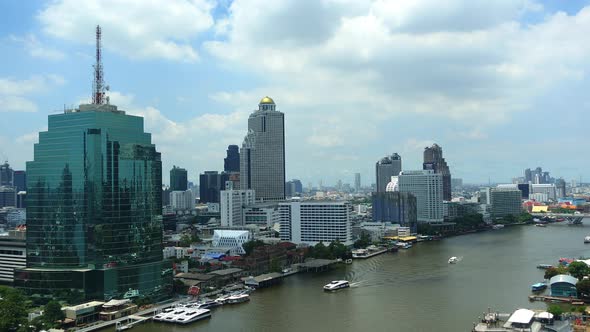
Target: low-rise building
[(116, 309), (563, 285), (13, 255), (83, 313), (231, 238)]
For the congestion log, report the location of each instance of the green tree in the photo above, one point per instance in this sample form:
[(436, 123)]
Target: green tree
[(524, 217), (321, 251), (185, 240), (337, 249), (363, 241), (578, 269), (52, 313), (555, 310), (551, 272), (13, 309), (583, 288)]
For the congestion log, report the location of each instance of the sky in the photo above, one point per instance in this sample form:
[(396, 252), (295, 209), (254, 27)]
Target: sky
[(501, 85)]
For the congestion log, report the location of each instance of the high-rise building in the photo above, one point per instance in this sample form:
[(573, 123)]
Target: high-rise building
[(311, 222), (182, 200), (178, 179), (386, 168), (528, 175), (262, 157), (545, 188), (231, 163), (210, 184), (232, 204), (357, 182), (6, 175), (20, 180), (395, 207), (427, 186), (560, 188), (504, 201), (7, 196), (94, 207), (433, 159)]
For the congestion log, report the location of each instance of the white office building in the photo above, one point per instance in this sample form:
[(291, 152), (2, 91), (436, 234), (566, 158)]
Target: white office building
[(232, 239), (13, 255), (311, 222), (427, 186), (182, 200), (261, 214), (232, 204), (545, 188)]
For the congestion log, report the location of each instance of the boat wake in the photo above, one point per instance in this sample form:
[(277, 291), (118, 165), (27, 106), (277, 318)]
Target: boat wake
[(358, 283)]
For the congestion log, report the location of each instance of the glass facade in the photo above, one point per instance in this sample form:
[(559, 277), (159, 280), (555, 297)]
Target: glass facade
[(94, 206)]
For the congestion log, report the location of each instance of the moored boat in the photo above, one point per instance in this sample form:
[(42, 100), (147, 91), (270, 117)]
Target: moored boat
[(538, 287), (336, 285), (192, 315), (453, 260), (544, 266), (540, 225), (238, 298)]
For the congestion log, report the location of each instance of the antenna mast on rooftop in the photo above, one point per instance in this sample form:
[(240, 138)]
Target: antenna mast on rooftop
[(98, 85)]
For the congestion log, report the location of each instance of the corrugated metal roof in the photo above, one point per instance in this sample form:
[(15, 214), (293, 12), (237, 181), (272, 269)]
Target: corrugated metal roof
[(563, 278)]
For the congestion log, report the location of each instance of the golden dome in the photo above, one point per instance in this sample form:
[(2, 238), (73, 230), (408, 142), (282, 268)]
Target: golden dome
[(267, 100)]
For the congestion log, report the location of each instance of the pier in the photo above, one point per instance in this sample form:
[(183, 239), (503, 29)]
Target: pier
[(315, 265), (130, 322)]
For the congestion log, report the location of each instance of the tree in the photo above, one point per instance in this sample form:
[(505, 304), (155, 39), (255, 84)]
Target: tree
[(363, 241), (185, 240), (555, 310), (13, 309), (321, 251), (553, 271), (578, 269), (583, 288), (52, 313)]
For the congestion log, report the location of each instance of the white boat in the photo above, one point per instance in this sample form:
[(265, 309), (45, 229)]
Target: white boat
[(192, 315), (336, 285), (238, 298), (453, 260), (497, 226), (172, 315), (160, 316), (208, 304), (587, 239)]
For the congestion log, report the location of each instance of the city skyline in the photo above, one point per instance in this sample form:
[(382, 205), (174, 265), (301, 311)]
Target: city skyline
[(197, 90)]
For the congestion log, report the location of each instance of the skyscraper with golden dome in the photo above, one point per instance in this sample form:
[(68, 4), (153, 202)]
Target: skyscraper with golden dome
[(262, 156)]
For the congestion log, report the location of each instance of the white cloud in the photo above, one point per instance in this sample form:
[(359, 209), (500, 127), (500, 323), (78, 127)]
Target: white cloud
[(36, 49), (463, 64), (138, 29), (15, 94)]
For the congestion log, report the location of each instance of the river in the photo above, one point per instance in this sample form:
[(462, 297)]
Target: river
[(412, 290)]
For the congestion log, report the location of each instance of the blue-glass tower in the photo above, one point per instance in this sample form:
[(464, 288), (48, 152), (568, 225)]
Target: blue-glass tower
[(94, 205)]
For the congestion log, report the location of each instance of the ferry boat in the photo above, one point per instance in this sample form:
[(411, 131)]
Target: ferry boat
[(171, 316), (336, 285), (192, 315), (538, 287), (163, 314), (406, 246), (453, 260), (238, 298), (208, 304), (544, 266), (587, 239)]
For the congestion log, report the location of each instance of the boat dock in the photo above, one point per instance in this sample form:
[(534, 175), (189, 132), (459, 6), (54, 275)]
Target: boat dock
[(554, 299), (316, 265), (130, 322), (368, 254)]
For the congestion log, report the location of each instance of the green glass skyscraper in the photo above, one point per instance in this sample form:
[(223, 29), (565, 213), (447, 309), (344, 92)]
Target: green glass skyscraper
[(94, 224), (94, 215)]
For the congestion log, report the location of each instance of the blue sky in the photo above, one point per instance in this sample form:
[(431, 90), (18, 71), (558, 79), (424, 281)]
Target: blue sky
[(500, 85)]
